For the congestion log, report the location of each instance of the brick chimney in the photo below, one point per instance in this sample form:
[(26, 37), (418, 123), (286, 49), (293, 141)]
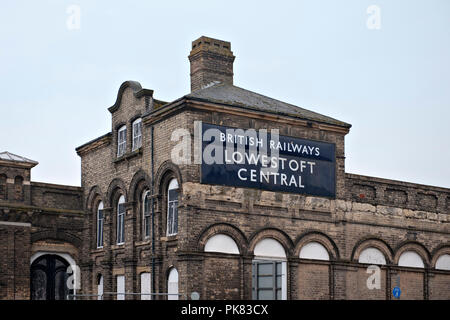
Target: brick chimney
[(211, 62)]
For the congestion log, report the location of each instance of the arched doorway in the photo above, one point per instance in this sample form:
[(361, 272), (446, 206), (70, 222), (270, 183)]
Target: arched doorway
[(49, 278)]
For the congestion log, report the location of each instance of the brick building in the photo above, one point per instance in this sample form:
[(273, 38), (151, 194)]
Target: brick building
[(152, 219), (40, 225)]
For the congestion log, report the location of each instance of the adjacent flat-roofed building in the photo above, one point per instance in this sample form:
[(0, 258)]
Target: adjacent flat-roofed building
[(40, 232), (235, 195)]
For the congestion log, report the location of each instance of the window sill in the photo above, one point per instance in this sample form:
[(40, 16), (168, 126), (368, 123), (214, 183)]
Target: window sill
[(97, 250), (118, 246), (129, 155), (143, 242), (169, 238)]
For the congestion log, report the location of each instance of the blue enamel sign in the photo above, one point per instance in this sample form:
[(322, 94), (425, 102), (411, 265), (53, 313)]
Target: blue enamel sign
[(396, 292), (268, 161)]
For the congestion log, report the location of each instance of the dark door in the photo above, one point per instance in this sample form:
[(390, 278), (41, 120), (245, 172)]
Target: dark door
[(49, 278)]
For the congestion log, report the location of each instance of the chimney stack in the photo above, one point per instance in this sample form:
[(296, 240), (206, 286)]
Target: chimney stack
[(211, 63)]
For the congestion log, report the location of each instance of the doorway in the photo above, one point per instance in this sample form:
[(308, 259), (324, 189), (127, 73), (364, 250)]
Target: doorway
[(49, 278)]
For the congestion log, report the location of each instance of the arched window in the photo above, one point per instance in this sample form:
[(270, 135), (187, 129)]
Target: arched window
[(269, 271), (121, 141), (18, 188), (172, 208), (314, 250), (443, 262), (100, 287), (121, 220), (221, 243), (146, 214), (137, 134), (100, 225), (146, 286), (172, 284), (372, 255), (410, 259), (3, 187)]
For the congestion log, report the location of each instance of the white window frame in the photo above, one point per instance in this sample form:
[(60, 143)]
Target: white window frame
[(172, 214), (145, 215), (100, 225), (270, 250), (121, 221), (137, 134), (121, 141)]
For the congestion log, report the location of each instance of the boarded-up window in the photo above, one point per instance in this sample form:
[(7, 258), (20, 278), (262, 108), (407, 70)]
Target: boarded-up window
[(146, 286)]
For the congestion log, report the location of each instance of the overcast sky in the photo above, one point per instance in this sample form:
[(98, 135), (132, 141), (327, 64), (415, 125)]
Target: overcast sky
[(58, 77)]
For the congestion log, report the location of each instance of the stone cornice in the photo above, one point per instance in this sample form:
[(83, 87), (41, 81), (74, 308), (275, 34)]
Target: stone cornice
[(184, 102), (94, 144)]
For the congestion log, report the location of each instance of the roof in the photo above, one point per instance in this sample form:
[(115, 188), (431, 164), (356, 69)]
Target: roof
[(231, 95), (8, 156)]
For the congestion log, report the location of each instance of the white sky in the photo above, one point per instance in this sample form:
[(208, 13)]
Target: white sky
[(391, 84)]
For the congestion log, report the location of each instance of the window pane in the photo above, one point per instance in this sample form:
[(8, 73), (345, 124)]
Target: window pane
[(100, 233), (60, 285), (278, 268), (278, 294), (147, 226), (38, 285), (169, 219), (265, 294), (175, 215), (278, 281), (147, 205), (120, 228), (265, 268), (173, 195), (265, 282)]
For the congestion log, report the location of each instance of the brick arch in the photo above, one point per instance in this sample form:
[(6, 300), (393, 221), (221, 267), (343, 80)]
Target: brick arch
[(166, 170), (373, 242), (139, 182), (316, 236), (227, 229), (94, 195), (111, 194), (57, 235), (275, 234), (439, 251), (413, 246)]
